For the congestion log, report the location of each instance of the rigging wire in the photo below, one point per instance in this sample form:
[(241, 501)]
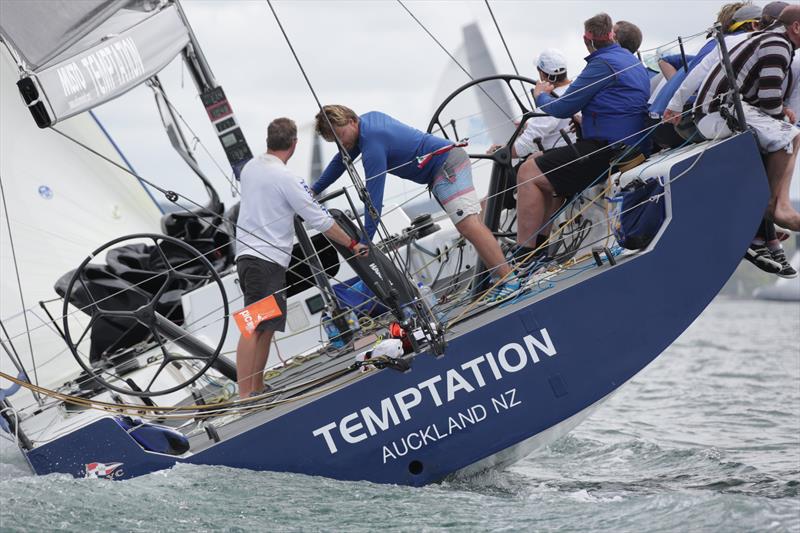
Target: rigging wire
[(508, 52), (560, 268), (19, 284), (326, 117), (452, 57), (343, 153), (219, 408), (392, 254)]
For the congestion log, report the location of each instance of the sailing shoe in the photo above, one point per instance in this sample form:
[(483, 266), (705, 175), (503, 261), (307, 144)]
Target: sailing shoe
[(787, 270), (505, 291), (529, 269), (760, 256)]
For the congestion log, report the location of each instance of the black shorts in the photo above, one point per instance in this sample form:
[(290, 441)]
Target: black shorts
[(259, 278), (569, 178)]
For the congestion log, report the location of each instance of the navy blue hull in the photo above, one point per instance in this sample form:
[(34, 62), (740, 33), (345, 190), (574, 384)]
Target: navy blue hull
[(546, 362)]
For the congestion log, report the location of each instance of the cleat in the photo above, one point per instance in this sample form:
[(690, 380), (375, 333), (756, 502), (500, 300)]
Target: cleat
[(760, 256), (787, 270)]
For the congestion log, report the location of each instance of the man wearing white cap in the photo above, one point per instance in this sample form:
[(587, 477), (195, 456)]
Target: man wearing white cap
[(544, 131)]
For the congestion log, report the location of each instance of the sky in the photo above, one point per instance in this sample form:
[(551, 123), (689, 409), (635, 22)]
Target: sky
[(368, 55)]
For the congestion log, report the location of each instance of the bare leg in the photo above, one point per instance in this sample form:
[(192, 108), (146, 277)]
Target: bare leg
[(780, 167), (485, 244), (251, 358), (535, 202)]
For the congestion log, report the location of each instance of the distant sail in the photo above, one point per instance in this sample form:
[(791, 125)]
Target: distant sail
[(316, 159), (494, 102)]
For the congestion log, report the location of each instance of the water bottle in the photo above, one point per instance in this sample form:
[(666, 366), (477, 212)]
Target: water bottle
[(427, 295), (333, 333), (352, 321)]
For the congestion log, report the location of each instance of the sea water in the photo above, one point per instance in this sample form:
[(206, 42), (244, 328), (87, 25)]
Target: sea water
[(707, 438)]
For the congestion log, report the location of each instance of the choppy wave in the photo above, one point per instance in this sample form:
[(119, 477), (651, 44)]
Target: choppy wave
[(706, 439)]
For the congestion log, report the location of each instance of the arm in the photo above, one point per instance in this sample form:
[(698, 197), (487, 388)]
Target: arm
[(374, 161), (535, 127), (332, 172), (298, 194), (667, 68), (337, 234), (595, 77), (693, 81), (774, 62)]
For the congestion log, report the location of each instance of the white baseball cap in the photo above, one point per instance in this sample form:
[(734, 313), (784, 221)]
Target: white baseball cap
[(552, 62)]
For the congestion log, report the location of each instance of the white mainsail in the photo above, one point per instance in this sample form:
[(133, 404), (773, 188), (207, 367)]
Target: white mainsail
[(62, 202)]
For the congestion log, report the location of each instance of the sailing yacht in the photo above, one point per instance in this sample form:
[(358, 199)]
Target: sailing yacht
[(117, 317)]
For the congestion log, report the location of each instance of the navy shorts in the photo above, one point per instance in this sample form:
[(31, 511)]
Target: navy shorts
[(259, 278)]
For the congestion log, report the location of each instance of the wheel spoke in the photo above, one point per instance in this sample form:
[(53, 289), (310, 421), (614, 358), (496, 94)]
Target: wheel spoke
[(441, 128), (91, 296), (162, 254), (167, 356), (161, 367), (116, 314), (192, 277), (85, 331), (519, 102), (161, 290)]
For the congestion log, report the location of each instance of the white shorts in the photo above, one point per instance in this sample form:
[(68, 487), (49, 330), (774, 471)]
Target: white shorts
[(772, 134)]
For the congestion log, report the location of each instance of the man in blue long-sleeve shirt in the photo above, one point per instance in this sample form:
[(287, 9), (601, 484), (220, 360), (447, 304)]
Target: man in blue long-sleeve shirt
[(611, 94), (388, 145)]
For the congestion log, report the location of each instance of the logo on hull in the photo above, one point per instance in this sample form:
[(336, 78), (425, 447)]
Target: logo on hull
[(104, 470)]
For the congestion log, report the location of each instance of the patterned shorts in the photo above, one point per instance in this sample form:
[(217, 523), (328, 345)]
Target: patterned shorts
[(452, 186)]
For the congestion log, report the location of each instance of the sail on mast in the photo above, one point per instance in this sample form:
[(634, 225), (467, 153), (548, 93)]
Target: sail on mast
[(95, 52)]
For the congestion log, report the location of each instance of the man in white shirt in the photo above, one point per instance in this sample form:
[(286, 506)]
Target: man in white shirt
[(552, 68), (544, 133), (271, 196)]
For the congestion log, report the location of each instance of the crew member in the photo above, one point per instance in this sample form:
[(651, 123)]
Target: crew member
[(388, 145), (271, 196), (611, 94)]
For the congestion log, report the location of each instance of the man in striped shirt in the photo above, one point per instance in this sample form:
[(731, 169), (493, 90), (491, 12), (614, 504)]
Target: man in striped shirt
[(761, 68)]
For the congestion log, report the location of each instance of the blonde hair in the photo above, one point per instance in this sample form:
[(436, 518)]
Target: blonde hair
[(726, 12), (338, 115)]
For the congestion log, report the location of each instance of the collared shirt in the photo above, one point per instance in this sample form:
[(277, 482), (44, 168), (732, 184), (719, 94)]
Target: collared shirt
[(271, 197), (548, 129)]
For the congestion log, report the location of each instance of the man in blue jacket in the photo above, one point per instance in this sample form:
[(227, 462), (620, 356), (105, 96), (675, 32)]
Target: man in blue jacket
[(388, 145), (611, 95)]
